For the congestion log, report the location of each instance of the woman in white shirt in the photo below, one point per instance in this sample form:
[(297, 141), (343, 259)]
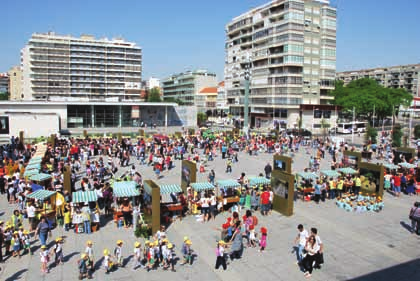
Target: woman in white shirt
[(311, 248), (205, 207), (213, 206)]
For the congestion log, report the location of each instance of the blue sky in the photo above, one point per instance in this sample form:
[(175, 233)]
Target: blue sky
[(187, 34)]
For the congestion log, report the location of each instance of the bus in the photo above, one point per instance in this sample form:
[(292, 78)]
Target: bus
[(346, 128)]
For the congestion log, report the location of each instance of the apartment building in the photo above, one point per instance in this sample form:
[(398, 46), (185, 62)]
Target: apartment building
[(290, 49), (401, 76), (185, 86), (222, 99), (4, 83), (206, 100), (57, 68), (15, 86)]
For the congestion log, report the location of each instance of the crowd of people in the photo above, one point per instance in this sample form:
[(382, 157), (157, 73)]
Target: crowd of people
[(94, 163)]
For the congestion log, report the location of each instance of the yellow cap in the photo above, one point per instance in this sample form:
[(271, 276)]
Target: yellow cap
[(84, 255), (106, 252), (89, 242), (14, 233), (58, 239), (43, 247), (221, 242), (170, 246), (25, 232), (188, 242), (119, 242), (1, 222), (185, 238), (137, 244), (147, 242)]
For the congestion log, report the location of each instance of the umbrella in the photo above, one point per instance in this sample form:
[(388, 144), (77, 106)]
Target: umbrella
[(348, 170), (330, 173), (308, 176)]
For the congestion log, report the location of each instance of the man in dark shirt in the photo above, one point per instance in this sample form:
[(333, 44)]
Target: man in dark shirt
[(268, 169)]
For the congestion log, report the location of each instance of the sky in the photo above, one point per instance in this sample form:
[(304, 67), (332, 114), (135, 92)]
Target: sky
[(188, 34)]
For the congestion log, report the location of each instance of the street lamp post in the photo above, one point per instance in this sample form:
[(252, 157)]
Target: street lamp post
[(246, 99)]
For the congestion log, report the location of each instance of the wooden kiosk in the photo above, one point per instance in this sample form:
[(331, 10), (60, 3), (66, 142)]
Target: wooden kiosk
[(283, 185)]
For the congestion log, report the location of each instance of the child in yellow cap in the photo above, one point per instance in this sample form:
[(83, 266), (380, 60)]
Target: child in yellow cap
[(137, 255), (26, 238), (186, 251), (58, 251), (45, 258), (107, 264), (118, 253)]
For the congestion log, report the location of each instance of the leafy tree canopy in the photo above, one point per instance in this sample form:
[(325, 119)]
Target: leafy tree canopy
[(365, 94), (154, 95)]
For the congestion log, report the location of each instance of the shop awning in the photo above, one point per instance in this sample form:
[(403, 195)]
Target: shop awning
[(125, 189), (391, 166), (330, 173), (227, 183), (308, 176), (40, 177), (254, 181), (33, 166), (202, 186), (41, 194), (29, 173), (84, 196), (170, 188), (35, 161), (407, 165), (348, 170)]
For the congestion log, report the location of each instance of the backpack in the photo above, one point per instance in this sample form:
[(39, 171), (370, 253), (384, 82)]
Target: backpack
[(254, 220)]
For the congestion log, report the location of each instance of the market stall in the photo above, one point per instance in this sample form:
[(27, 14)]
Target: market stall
[(122, 191), (406, 165), (46, 202), (330, 173), (391, 166), (228, 191), (258, 181), (199, 188), (304, 184), (170, 205), (41, 179), (82, 197)]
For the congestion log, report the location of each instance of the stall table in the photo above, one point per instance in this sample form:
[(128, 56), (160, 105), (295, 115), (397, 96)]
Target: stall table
[(167, 203)]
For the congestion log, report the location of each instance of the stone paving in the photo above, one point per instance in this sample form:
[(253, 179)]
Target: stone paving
[(367, 246)]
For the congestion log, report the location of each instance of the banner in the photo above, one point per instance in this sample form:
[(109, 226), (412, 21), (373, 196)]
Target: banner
[(135, 112)]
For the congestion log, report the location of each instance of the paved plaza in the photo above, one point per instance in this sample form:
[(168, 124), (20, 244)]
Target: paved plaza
[(366, 246)]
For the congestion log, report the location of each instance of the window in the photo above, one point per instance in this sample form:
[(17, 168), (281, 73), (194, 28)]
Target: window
[(293, 48), (314, 72), (315, 62), (315, 51), (315, 41), (328, 52), (308, 10), (307, 71), (308, 40), (307, 60), (307, 50), (297, 59), (317, 113), (327, 114)]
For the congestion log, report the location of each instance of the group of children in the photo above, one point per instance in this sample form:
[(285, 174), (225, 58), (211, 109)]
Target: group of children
[(154, 254), (16, 240), (360, 203)]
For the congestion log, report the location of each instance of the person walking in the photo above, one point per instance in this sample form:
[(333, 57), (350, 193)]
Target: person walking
[(43, 230), (319, 256), (300, 240), (311, 248), (220, 255), (415, 217), (268, 169)]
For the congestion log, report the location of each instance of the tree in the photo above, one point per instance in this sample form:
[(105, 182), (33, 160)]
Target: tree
[(396, 135), (366, 94), (371, 134), (154, 95), (172, 99), (4, 96), (201, 118), (324, 126)]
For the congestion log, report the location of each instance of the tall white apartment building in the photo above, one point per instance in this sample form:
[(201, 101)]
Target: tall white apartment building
[(291, 47), (57, 68)]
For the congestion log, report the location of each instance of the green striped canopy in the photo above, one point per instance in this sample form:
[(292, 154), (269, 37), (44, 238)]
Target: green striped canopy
[(41, 194), (391, 166), (407, 165), (308, 176), (169, 188), (254, 181), (125, 189), (33, 166), (36, 158), (40, 177), (35, 161), (29, 173), (330, 173), (348, 170), (202, 186), (84, 196), (227, 183)]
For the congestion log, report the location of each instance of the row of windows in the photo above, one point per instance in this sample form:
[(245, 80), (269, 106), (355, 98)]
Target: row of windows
[(328, 62), (328, 52), (297, 59), (329, 23), (294, 16), (293, 48)]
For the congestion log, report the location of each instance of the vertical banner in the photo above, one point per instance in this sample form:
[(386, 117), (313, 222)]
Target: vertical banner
[(135, 112), (188, 174)]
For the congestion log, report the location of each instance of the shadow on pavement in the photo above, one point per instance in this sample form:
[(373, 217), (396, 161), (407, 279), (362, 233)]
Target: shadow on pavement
[(69, 256), (402, 272), (406, 225), (17, 275)]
